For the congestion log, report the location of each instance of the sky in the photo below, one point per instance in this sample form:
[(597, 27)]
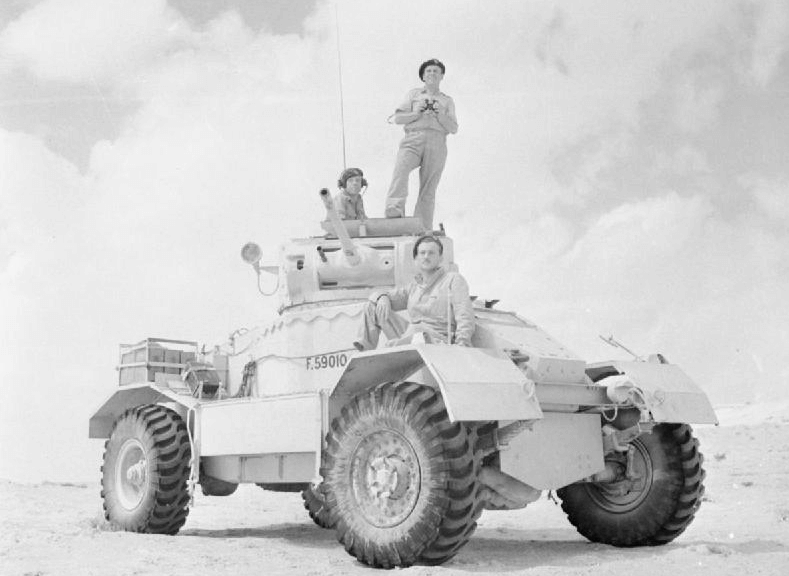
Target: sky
[(619, 169)]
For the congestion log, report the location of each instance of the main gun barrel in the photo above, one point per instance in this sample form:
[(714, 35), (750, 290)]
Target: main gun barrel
[(349, 249)]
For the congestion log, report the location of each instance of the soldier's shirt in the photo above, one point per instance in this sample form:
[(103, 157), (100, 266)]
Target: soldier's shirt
[(349, 207), (429, 304), (427, 121)]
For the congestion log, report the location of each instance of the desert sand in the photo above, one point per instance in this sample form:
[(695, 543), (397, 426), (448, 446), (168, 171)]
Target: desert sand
[(741, 528)]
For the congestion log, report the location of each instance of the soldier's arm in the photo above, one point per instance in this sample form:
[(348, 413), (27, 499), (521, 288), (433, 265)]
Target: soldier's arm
[(398, 297), (463, 310), (408, 110), (447, 117)]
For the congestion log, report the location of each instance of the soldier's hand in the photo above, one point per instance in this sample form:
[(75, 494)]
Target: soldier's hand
[(419, 106), (383, 308)]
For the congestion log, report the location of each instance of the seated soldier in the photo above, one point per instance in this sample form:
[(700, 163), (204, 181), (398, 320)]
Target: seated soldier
[(349, 204), (437, 301)]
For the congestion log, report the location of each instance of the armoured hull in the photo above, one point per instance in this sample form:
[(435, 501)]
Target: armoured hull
[(386, 441)]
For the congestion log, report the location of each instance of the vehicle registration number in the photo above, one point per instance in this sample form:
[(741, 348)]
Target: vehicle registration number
[(326, 361)]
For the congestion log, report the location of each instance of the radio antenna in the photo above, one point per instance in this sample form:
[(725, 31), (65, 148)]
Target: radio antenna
[(339, 73), (616, 344)]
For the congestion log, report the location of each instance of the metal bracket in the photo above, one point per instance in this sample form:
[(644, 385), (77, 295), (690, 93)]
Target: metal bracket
[(500, 438), (193, 433), (615, 440)]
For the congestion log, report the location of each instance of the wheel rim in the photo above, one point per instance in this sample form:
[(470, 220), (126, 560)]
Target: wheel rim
[(131, 474), (385, 478), (626, 495)]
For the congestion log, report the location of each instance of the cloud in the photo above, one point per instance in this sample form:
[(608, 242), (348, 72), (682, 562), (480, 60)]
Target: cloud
[(583, 167), (771, 196), (666, 274), (33, 202), (88, 41), (686, 159), (771, 40), (696, 108)]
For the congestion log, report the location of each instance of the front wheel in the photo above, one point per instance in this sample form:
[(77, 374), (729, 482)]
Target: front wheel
[(653, 507), (401, 480), (146, 470)]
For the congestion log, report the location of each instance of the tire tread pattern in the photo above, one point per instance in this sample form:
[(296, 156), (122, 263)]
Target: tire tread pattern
[(315, 504), (450, 519), (165, 438), (662, 516)]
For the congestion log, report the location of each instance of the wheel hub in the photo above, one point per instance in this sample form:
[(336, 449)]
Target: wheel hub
[(385, 478), (633, 486), (131, 474), (136, 473)]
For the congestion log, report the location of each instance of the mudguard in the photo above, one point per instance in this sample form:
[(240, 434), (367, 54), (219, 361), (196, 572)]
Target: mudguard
[(476, 383), (235, 439), (667, 392), (126, 397)]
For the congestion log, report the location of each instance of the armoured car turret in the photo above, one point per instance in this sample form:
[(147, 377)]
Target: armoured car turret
[(352, 258), (399, 449)]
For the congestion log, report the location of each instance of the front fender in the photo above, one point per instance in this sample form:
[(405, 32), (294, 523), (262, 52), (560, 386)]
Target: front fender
[(126, 397), (668, 393), (477, 383)]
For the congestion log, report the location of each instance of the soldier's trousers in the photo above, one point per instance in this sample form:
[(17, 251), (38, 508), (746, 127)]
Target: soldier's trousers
[(396, 328), (371, 327), (426, 149)]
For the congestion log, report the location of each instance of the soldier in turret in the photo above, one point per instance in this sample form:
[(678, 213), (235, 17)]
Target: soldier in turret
[(437, 301), (349, 203), (428, 115)]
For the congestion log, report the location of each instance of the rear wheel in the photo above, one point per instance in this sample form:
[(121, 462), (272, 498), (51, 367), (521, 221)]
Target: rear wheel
[(401, 480), (315, 503), (145, 471), (653, 508)]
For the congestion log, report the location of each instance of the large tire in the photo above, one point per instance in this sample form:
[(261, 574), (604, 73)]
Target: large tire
[(401, 480), (145, 471), (315, 504), (658, 510)]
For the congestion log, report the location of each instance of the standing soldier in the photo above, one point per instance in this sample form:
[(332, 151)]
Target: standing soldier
[(428, 115)]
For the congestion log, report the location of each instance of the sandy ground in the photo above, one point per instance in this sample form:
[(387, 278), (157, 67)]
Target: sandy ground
[(741, 528)]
